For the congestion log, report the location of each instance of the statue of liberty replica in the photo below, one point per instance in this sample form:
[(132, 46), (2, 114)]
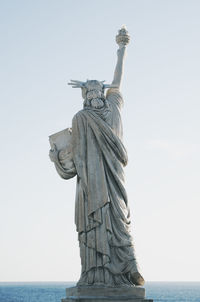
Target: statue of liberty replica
[(93, 151)]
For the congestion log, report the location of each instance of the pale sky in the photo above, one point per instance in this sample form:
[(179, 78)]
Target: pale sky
[(46, 43)]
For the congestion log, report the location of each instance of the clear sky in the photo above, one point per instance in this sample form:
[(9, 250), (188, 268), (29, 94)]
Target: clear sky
[(46, 43)]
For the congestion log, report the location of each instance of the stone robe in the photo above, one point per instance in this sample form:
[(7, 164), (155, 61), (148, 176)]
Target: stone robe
[(102, 214)]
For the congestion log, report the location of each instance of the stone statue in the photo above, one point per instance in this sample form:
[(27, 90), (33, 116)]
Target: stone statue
[(93, 151)]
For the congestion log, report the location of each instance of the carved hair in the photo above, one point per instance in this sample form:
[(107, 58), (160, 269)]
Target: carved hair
[(94, 96)]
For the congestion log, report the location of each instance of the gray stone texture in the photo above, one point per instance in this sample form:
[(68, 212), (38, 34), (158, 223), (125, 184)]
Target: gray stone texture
[(103, 294), (93, 150)]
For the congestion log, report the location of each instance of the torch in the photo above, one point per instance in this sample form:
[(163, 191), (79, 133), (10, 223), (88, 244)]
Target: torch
[(123, 37)]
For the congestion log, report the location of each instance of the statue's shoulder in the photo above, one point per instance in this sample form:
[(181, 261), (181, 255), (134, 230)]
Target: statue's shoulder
[(114, 97), (112, 91), (79, 114)]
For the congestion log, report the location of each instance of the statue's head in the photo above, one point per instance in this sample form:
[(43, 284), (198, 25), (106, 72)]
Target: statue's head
[(92, 92)]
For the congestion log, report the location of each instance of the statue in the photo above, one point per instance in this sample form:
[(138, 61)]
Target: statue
[(93, 151)]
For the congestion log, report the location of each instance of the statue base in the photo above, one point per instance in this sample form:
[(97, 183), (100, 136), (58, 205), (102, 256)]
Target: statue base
[(104, 294)]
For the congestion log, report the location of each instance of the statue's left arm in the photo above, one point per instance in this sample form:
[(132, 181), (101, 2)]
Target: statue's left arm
[(65, 167)]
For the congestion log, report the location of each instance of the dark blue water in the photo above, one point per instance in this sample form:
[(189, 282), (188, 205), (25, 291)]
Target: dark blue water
[(54, 291)]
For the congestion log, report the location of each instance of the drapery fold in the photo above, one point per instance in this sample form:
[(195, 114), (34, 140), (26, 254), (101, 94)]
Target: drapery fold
[(94, 146), (102, 215)]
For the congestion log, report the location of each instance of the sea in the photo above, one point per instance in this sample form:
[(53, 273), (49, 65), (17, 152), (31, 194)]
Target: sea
[(54, 291)]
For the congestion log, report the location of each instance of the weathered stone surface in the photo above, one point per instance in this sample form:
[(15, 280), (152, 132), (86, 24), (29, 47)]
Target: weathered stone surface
[(138, 292), (103, 294), (93, 150)]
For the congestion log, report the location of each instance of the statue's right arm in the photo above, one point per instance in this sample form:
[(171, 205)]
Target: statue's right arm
[(119, 67)]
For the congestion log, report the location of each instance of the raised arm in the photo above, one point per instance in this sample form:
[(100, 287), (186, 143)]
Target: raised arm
[(122, 40), (119, 67)]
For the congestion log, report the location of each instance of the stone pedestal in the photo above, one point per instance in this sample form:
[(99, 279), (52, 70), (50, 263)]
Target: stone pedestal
[(104, 294)]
